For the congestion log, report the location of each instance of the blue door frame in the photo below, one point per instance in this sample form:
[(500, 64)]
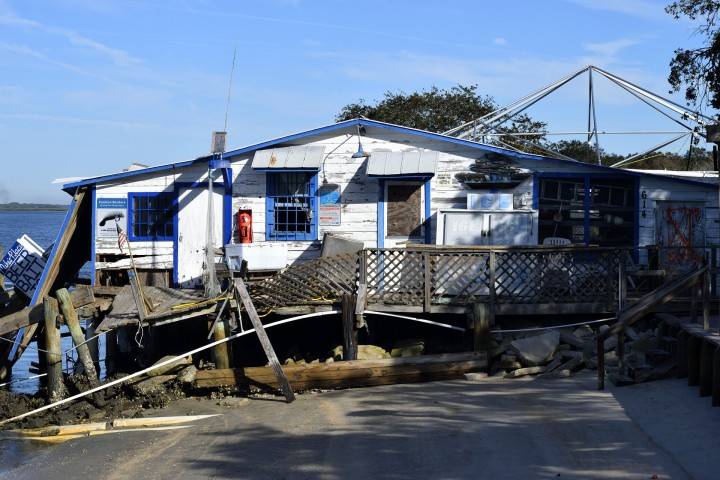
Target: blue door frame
[(381, 206)]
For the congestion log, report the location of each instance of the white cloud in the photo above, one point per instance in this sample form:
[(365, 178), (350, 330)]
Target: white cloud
[(76, 120), (24, 50), (606, 53), (636, 8), (500, 41), (117, 56)]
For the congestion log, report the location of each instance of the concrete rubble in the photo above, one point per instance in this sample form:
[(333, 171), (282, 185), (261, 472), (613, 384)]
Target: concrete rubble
[(648, 353)]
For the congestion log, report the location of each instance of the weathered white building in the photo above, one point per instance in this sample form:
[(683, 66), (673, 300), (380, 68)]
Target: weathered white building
[(412, 188)]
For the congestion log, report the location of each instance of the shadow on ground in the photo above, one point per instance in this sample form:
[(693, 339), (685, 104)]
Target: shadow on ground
[(461, 429)]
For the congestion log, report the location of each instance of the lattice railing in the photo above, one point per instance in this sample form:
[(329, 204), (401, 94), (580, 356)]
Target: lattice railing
[(459, 276), (578, 276), (321, 280), (427, 276)]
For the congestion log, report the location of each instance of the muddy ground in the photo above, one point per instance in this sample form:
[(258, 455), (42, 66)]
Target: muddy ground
[(121, 401)]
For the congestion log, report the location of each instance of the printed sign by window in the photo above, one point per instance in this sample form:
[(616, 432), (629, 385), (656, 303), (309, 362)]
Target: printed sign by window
[(329, 204), (23, 265), (109, 214)]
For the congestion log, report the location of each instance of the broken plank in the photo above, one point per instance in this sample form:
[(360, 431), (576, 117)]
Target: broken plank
[(53, 268), (242, 292)]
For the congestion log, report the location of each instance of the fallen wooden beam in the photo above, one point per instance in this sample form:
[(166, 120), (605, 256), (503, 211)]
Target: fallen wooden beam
[(80, 296), (277, 370), (354, 373)]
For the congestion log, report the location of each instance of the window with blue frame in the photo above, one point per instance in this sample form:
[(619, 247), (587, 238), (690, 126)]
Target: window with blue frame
[(291, 206), (150, 216)]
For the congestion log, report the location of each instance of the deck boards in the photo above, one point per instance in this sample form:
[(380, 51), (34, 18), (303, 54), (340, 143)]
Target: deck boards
[(124, 310)]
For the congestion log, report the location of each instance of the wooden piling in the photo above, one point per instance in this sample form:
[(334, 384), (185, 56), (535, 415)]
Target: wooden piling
[(350, 335), (620, 351), (706, 364), (694, 345), (42, 359), (482, 319), (682, 354), (600, 349), (73, 323), (705, 284), (221, 352), (716, 378), (53, 355), (111, 352)]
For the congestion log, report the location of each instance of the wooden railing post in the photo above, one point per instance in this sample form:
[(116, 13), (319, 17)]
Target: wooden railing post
[(600, 347), (705, 283), (427, 282), (713, 273), (622, 286), (492, 278), (350, 335)]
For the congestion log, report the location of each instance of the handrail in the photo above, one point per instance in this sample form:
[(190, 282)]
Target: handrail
[(663, 294)]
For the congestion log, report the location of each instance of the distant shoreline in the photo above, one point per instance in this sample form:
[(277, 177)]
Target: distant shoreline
[(32, 207)]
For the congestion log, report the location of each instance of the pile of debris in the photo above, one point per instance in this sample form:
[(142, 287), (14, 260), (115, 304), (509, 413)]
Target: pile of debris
[(648, 353), (402, 348)]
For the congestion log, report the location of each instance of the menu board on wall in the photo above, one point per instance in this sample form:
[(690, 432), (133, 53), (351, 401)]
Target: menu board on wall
[(330, 206)]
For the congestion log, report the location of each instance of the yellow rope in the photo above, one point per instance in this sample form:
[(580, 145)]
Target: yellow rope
[(201, 303)]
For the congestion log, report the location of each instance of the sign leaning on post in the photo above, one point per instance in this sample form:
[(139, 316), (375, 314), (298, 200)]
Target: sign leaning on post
[(23, 265)]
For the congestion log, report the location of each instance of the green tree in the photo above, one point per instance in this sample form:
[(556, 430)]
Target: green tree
[(580, 150), (697, 70), (434, 110)]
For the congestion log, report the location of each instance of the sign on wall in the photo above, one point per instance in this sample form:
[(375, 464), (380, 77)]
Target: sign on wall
[(330, 206), (23, 265), (110, 213)]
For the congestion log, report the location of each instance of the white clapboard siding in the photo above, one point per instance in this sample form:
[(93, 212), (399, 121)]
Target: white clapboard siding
[(360, 194)]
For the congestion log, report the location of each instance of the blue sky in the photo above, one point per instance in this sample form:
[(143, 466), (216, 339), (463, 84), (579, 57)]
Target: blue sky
[(89, 86)]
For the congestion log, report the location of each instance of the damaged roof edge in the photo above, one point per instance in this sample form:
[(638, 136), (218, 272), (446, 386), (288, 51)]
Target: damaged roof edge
[(73, 186)]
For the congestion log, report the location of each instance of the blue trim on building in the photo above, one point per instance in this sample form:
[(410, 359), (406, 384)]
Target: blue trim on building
[(636, 240), (131, 217), (93, 234), (537, 176), (586, 208), (43, 278), (270, 234), (427, 207), (351, 125), (428, 214)]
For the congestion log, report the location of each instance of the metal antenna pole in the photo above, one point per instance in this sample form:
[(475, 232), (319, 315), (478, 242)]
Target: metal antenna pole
[(656, 147), (594, 117), (227, 101)]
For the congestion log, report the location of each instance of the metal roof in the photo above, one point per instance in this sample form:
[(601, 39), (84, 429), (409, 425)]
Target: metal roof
[(410, 162), (350, 127), (307, 157)]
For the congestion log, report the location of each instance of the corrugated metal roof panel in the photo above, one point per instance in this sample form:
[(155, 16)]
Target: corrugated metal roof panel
[(411, 162), (308, 157)]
